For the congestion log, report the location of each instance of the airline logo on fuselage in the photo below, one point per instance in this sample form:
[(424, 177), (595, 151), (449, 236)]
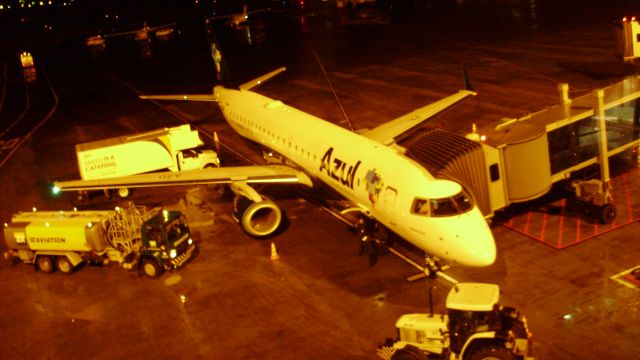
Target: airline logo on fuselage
[(338, 169), (374, 185)]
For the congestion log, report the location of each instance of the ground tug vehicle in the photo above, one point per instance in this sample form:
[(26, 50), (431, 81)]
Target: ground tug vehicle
[(175, 149), (475, 328), (134, 237)]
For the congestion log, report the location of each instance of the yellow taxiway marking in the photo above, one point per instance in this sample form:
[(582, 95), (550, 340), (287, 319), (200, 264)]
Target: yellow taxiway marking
[(619, 278)]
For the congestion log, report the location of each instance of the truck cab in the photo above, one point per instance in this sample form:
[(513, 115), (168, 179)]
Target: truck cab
[(166, 242), (193, 159)]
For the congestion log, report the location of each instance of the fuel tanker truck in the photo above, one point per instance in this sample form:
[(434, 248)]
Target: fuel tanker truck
[(136, 238)]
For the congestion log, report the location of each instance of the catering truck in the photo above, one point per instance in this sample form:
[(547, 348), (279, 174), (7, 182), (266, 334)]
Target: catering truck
[(175, 149), (475, 328), (134, 237)]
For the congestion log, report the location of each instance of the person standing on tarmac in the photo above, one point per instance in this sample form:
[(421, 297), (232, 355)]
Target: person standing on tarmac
[(367, 241)]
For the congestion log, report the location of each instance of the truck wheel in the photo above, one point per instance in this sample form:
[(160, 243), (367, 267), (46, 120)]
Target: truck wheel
[(64, 265), (409, 352), (45, 264), (151, 268), (123, 193), (493, 352), (607, 213)]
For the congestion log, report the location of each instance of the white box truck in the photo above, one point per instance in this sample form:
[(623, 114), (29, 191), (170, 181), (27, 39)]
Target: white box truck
[(175, 149)]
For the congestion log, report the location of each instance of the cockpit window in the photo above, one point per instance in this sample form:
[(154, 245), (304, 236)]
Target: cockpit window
[(420, 207), (463, 201), (443, 207), (457, 204)]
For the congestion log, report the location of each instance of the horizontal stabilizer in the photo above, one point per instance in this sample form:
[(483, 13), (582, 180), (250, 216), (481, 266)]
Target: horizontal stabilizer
[(183, 97), (259, 80), (222, 175)]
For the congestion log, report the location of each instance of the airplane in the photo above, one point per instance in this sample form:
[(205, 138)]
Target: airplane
[(97, 41), (143, 33), (238, 18), (383, 185)]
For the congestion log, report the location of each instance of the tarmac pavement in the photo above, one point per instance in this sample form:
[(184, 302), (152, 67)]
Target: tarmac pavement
[(319, 299)]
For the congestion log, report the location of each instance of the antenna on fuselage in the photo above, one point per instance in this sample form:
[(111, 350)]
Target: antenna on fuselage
[(333, 91)]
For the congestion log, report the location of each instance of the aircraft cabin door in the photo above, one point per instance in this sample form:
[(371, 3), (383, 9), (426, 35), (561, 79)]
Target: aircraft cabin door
[(389, 203)]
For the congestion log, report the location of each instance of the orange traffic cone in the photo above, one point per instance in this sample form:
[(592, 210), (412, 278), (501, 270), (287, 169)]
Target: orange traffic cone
[(274, 253)]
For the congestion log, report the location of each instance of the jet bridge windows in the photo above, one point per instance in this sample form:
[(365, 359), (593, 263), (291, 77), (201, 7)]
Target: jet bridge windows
[(457, 204), (577, 142)]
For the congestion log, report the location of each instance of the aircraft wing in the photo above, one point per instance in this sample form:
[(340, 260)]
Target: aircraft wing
[(258, 11), (387, 132), (154, 28), (121, 33), (220, 16), (223, 175), (183, 97)]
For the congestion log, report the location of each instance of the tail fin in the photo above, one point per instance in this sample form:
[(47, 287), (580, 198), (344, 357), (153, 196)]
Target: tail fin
[(222, 70), (224, 75)]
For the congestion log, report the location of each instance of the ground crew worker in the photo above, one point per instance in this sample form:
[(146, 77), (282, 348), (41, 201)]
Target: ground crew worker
[(367, 241)]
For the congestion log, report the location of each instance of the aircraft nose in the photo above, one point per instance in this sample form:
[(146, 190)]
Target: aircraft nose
[(484, 255), (479, 247)]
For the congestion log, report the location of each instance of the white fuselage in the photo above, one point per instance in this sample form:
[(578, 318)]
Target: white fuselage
[(378, 179)]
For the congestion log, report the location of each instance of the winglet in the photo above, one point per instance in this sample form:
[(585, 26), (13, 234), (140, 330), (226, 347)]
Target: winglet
[(467, 82)]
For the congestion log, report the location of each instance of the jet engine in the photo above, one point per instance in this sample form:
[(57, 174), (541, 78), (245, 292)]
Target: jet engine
[(258, 219)]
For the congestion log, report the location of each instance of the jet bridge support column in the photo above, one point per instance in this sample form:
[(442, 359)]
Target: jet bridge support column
[(602, 139), (597, 193)]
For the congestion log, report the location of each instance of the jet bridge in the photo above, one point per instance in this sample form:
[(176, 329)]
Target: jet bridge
[(517, 160)]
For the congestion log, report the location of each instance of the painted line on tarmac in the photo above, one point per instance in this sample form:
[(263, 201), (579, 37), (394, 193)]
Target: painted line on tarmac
[(27, 106), (35, 128), (622, 278)]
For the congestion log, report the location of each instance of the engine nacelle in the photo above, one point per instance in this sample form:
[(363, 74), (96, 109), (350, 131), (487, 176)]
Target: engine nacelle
[(258, 219)]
